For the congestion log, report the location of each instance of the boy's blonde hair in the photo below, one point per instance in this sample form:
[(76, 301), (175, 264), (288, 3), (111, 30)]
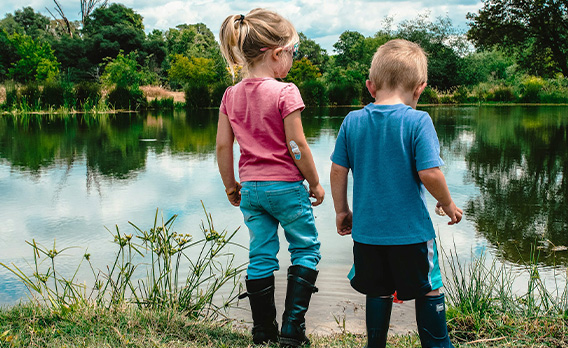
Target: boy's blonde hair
[(245, 38), (399, 63)]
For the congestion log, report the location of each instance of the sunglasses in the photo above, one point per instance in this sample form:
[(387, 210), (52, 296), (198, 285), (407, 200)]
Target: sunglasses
[(294, 49)]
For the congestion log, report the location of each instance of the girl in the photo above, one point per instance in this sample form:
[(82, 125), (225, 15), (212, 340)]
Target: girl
[(263, 114)]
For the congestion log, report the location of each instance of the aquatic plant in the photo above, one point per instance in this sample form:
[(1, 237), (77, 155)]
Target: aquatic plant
[(161, 254)]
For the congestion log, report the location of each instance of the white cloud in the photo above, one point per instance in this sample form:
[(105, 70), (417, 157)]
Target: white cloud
[(321, 20)]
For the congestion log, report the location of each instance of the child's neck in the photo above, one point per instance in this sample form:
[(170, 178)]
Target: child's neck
[(259, 71), (397, 96)]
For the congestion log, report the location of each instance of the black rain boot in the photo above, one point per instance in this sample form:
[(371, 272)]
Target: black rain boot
[(378, 313), (300, 288), (261, 297), (431, 321)]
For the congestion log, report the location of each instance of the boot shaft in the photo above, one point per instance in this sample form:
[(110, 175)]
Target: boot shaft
[(431, 321)]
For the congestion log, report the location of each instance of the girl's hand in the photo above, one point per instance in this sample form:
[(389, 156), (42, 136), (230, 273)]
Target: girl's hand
[(234, 194), (344, 222), (317, 192)]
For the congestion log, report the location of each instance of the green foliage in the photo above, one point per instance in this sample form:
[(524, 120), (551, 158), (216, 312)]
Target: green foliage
[(460, 95), (531, 88), (429, 96), (501, 93), (111, 29), (161, 104), (536, 31), (217, 93), (344, 93), (195, 71), (313, 92), (312, 51), (12, 98), (197, 95), (36, 60), (87, 93), (167, 255), (122, 71), (26, 22), (125, 98), (302, 70), (56, 94), (483, 66), (30, 96)]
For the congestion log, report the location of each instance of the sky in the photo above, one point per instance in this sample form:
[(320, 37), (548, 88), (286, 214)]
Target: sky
[(320, 20)]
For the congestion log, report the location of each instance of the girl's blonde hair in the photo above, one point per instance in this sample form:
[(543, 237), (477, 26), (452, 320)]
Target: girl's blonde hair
[(243, 37), (399, 63)]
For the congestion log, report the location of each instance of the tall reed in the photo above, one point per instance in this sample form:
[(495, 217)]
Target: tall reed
[(156, 268)]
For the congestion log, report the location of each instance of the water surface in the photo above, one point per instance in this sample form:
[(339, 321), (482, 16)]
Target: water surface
[(66, 179)]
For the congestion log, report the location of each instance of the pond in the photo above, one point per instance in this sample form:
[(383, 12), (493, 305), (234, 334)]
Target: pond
[(68, 179)]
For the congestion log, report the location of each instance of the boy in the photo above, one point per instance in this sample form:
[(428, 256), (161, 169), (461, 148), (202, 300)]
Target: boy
[(394, 154)]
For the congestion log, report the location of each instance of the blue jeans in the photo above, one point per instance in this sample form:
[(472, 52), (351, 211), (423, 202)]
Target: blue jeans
[(264, 205)]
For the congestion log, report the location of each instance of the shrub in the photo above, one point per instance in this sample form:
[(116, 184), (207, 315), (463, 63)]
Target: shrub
[(87, 93), (197, 96), (429, 96), (126, 98), (501, 93), (12, 97), (461, 95), (217, 93), (313, 92), (344, 93), (164, 103), (531, 88), (31, 95), (56, 94)]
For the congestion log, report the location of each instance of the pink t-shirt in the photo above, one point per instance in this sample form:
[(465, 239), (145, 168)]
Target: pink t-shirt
[(256, 109)]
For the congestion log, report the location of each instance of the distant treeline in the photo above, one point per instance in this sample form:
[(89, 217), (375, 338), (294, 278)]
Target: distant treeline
[(512, 52)]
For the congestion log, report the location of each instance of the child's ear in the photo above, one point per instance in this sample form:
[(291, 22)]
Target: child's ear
[(276, 53), (371, 88), (418, 91)]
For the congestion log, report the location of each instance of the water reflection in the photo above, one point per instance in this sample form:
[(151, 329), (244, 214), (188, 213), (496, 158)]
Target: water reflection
[(507, 166)]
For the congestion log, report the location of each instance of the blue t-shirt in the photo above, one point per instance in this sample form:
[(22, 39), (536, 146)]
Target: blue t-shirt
[(385, 146)]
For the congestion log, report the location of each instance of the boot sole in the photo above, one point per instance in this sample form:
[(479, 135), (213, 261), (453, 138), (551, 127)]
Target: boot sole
[(292, 342)]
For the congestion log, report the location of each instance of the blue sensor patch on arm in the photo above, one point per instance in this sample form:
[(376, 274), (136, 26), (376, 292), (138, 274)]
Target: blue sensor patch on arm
[(295, 150)]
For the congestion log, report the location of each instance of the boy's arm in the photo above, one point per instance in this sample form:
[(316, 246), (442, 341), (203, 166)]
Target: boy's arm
[(343, 215), (224, 147), (435, 182), (302, 155)]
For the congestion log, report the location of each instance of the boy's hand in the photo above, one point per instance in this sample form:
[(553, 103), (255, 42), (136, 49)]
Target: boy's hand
[(234, 194), (344, 222), (317, 192), (453, 212)]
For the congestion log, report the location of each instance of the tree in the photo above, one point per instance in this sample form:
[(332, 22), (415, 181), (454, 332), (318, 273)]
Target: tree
[(537, 28), (35, 61), (112, 29), (26, 21), (197, 71), (122, 71), (312, 51), (8, 54), (303, 70)]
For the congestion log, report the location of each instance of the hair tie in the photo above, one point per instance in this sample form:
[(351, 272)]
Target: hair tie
[(242, 18)]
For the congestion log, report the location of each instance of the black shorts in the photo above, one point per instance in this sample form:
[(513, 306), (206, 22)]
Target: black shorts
[(411, 270)]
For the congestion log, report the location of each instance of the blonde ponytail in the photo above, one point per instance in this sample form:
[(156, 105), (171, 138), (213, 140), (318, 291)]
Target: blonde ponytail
[(243, 36)]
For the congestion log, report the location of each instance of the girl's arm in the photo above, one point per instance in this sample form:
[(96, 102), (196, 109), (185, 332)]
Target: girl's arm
[(225, 140), (302, 155)]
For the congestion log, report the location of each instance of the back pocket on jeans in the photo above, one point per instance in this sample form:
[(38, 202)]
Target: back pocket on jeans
[(286, 204)]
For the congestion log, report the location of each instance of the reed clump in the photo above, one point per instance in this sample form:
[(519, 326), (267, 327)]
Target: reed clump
[(156, 268)]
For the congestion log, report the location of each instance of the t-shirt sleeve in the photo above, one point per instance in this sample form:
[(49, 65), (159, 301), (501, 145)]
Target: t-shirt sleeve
[(426, 145), (290, 100), (223, 107), (340, 154)]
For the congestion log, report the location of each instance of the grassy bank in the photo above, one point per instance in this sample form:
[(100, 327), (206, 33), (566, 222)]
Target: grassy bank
[(30, 325), (148, 303)]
